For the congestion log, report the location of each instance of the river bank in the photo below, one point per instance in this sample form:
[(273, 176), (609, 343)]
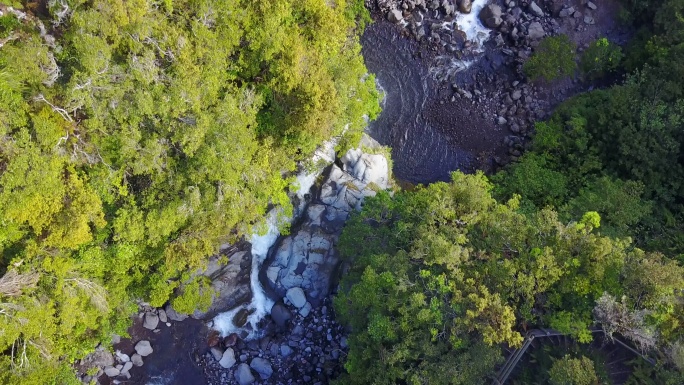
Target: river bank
[(454, 104)]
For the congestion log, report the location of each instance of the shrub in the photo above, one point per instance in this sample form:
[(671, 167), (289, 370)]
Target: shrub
[(553, 59), (600, 58)]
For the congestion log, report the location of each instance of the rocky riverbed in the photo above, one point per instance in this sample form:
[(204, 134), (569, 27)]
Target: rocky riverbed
[(451, 101)]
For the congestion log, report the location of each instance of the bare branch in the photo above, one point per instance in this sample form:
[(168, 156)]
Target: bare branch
[(97, 294), (59, 110), (12, 283)]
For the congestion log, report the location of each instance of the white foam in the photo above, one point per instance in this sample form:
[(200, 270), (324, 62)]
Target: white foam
[(470, 23), (476, 33), (260, 304)]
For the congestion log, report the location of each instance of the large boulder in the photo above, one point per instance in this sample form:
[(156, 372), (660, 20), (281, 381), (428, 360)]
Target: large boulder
[(173, 315), (535, 31), (100, 358), (111, 371), (143, 348), (243, 375), (296, 296), (306, 260), (216, 352), (151, 321), (491, 16), (230, 281), (228, 359), (280, 314), (137, 360), (262, 366)]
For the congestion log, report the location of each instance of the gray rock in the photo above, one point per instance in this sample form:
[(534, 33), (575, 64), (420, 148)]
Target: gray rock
[(502, 120), (115, 338), (243, 375), (536, 31), (417, 17), (296, 296), (111, 371), (280, 314), (137, 360), (174, 315), (262, 366), (99, 357), (517, 94), (122, 357), (285, 350), (144, 348), (230, 281), (465, 6), (217, 353), (535, 9), (228, 359), (567, 12), (591, 6), (395, 16), (305, 310), (151, 321), (162, 316), (127, 366), (491, 16), (589, 20)]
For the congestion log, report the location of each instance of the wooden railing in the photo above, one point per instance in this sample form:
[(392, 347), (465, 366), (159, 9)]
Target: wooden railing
[(512, 361)]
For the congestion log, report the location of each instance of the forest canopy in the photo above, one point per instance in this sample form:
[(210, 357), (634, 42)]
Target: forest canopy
[(442, 277), (137, 136)]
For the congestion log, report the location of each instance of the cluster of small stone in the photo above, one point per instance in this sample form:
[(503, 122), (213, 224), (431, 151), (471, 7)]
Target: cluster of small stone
[(301, 349), (117, 365), (517, 26)]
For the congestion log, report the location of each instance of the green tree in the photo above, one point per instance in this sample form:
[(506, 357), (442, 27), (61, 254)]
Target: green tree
[(573, 371), (601, 58), (444, 274), (141, 138)]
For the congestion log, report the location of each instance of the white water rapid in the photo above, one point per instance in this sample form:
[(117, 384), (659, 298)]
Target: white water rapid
[(472, 26), (475, 32)]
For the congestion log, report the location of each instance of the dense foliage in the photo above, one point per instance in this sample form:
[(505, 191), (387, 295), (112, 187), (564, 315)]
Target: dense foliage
[(573, 371), (136, 137), (442, 276), (618, 150)]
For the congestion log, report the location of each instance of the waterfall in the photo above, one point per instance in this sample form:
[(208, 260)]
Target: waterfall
[(260, 304)]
